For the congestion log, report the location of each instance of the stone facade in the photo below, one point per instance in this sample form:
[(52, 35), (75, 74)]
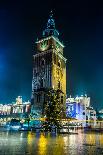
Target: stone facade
[(49, 67)]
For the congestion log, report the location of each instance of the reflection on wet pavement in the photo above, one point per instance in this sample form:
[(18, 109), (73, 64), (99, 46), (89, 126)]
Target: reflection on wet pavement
[(30, 143)]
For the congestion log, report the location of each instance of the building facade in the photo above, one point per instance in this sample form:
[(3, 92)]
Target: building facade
[(79, 108), (49, 67), (18, 107), (90, 117)]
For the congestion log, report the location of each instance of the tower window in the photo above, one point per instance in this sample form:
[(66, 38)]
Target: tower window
[(58, 63), (58, 84), (54, 59), (35, 72), (41, 82), (58, 72), (44, 98), (42, 62), (38, 98), (61, 99)]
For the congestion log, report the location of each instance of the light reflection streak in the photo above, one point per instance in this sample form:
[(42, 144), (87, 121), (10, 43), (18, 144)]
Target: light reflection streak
[(72, 139), (42, 145), (30, 139), (101, 140), (59, 148), (21, 136), (45, 144), (90, 139)]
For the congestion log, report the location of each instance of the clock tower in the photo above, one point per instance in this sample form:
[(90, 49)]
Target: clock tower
[(49, 67)]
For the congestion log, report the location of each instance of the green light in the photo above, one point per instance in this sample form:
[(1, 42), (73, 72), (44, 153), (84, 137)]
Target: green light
[(44, 44)]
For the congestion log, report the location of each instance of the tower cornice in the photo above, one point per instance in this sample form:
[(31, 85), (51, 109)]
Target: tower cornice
[(48, 51), (60, 55), (47, 38), (42, 53)]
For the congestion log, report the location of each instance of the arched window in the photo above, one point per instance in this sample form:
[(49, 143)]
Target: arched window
[(62, 99), (42, 62), (41, 82), (38, 98), (35, 72), (59, 63), (58, 84)]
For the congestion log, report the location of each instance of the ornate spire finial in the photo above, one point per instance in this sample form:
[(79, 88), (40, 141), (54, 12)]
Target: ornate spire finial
[(50, 28), (51, 22), (51, 14)]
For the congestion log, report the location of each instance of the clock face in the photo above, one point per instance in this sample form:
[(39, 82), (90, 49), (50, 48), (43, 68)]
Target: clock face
[(43, 45)]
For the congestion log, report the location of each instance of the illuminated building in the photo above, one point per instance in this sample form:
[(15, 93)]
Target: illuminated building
[(100, 114), (5, 109), (18, 107), (49, 67), (79, 108), (101, 111), (19, 100), (90, 117)]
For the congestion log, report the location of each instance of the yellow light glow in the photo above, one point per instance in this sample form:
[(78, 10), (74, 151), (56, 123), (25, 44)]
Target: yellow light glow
[(30, 138), (42, 145), (101, 139)]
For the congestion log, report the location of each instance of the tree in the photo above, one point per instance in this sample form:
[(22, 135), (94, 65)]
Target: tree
[(54, 110)]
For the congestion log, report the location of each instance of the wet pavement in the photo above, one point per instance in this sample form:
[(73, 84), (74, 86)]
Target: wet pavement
[(30, 143)]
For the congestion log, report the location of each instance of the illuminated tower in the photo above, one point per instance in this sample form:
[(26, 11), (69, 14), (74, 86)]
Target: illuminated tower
[(49, 66)]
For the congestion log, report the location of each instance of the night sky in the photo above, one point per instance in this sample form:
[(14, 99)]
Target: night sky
[(80, 24)]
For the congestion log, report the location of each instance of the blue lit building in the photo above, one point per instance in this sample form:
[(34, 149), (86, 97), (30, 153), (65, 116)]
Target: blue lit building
[(77, 107), (71, 110)]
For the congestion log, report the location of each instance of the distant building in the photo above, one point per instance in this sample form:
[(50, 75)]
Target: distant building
[(100, 114), (79, 108), (101, 111), (19, 100), (90, 117), (18, 107)]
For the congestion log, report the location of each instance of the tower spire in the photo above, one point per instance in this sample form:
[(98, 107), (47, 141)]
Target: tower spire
[(50, 28), (51, 14)]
